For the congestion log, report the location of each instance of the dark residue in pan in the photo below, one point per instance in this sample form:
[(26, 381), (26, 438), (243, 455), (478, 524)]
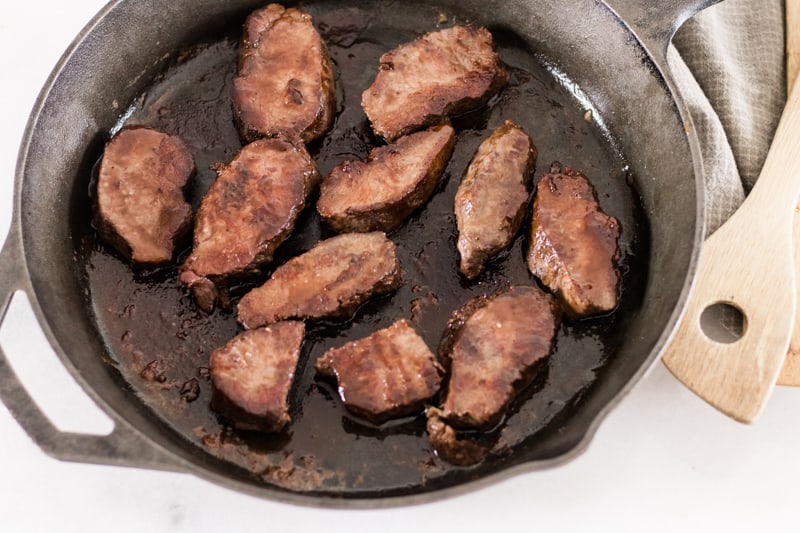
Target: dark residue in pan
[(160, 341)]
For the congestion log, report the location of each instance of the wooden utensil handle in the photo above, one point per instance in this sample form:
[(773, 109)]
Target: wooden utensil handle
[(792, 43), (746, 266), (790, 373)]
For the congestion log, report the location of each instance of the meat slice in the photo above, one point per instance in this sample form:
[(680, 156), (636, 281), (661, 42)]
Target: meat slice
[(492, 197), (284, 84), (247, 213), (449, 445), (574, 245), (443, 73), (253, 373), (330, 280), (389, 374), (494, 346), (382, 192), (140, 207)]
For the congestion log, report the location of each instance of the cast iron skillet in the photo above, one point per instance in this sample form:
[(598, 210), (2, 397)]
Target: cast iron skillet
[(138, 346)]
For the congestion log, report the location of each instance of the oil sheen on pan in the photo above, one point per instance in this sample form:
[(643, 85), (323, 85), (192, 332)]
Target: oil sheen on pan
[(160, 342)]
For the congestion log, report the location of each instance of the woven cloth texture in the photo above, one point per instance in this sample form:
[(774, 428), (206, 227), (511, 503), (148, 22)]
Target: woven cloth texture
[(729, 64)]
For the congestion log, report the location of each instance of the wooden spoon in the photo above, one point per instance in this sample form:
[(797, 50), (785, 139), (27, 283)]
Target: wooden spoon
[(790, 373), (746, 267)]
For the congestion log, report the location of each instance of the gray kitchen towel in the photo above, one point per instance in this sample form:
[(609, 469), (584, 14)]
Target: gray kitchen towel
[(729, 64)]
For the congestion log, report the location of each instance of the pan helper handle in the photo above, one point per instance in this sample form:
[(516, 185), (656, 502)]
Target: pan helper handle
[(745, 272), (122, 447)]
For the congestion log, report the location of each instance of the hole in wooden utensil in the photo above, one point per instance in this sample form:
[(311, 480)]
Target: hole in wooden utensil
[(723, 323)]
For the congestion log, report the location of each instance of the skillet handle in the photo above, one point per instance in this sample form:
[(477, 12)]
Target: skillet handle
[(124, 446), (655, 23)]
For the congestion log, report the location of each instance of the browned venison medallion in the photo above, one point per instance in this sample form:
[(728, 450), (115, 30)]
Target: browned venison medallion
[(388, 374), (493, 195), (140, 208), (574, 245), (284, 84), (494, 345), (246, 214), (440, 74), (379, 194), (253, 374), (330, 280)]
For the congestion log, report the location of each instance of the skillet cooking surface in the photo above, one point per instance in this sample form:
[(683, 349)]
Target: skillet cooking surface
[(159, 341)]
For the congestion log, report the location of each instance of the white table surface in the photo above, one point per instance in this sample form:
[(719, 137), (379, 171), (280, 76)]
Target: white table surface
[(662, 461)]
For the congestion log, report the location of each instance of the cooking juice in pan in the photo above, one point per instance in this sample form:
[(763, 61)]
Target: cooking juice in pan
[(159, 341)]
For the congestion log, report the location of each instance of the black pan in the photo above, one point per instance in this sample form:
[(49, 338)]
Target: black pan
[(593, 91)]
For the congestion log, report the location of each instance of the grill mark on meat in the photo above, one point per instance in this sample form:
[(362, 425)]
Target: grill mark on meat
[(440, 74), (574, 244), (494, 346), (247, 213), (493, 195), (140, 209), (388, 374), (284, 84), (253, 374), (382, 192), (330, 280)]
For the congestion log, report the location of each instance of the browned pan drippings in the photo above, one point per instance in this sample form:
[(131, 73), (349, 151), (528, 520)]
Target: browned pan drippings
[(160, 341)]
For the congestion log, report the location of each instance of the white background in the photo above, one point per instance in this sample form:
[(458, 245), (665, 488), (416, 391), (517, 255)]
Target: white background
[(663, 460)]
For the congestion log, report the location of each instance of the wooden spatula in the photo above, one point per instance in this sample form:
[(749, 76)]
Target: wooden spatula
[(746, 266), (790, 373)]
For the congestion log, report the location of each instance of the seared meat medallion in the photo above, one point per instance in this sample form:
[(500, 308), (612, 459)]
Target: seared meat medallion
[(493, 195), (253, 374), (330, 280), (440, 74), (389, 374), (494, 345), (574, 245), (284, 84), (247, 213), (140, 207), (382, 192)]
